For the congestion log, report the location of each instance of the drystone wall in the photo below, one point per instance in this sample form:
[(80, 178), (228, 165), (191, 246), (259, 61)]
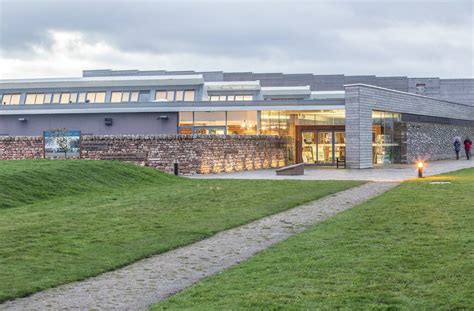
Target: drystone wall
[(195, 154), (21, 147), (429, 141)]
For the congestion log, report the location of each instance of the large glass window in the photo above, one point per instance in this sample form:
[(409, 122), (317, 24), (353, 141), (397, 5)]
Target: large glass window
[(214, 118), (242, 122), (186, 118), (386, 137)]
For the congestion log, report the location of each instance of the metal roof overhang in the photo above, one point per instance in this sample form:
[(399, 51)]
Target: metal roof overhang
[(172, 107)]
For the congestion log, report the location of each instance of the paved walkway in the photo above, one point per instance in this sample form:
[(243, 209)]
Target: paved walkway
[(391, 173), (138, 285)]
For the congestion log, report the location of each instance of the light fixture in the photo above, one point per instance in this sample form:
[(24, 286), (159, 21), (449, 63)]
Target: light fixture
[(108, 121), (163, 118), (420, 165), (22, 119)]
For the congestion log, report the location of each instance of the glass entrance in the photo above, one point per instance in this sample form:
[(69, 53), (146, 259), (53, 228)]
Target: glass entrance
[(322, 147)]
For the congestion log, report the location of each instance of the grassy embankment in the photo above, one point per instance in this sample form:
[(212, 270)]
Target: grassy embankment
[(62, 221), (411, 248)]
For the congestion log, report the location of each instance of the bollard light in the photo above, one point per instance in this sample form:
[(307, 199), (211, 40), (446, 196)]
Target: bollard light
[(420, 169)]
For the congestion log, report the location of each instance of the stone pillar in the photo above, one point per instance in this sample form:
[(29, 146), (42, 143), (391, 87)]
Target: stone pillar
[(358, 130)]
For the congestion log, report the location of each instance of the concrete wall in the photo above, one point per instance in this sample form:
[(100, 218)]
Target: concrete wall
[(122, 123), (201, 154), (361, 100)]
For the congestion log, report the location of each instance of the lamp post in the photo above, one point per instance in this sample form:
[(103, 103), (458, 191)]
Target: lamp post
[(420, 169)]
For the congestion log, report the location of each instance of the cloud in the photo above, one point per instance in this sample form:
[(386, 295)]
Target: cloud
[(60, 38)]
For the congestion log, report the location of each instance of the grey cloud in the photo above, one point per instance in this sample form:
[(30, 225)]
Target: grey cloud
[(297, 29)]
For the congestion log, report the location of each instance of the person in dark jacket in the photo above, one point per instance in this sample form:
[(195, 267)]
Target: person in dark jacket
[(467, 147), (457, 146)]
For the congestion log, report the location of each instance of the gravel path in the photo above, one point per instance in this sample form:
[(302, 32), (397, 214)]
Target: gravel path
[(138, 285)]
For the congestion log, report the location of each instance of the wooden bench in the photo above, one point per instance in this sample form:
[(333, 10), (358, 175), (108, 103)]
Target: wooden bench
[(291, 170)]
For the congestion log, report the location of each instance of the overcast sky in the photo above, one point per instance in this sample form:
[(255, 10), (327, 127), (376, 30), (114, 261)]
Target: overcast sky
[(44, 38)]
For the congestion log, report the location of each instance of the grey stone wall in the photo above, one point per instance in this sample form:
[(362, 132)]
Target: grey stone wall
[(202, 154), (427, 141)]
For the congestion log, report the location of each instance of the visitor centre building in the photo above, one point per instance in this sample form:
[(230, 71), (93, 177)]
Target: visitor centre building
[(361, 120)]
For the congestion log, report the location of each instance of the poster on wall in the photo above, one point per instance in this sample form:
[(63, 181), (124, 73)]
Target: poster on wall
[(62, 143)]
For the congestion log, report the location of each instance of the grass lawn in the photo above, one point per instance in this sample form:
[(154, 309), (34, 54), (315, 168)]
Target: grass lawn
[(62, 221), (411, 249)]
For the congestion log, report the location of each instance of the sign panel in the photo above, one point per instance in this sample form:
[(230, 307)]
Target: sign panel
[(62, 143)]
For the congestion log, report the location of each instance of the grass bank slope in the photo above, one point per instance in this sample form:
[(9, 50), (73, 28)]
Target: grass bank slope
[(411, 248), (30, 181), (64, 221)]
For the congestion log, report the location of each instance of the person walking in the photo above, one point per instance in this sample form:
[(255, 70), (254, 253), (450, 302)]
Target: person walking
[(467, 147), (457, 146)]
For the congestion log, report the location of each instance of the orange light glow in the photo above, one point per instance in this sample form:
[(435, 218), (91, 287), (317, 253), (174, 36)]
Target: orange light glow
[(420, 164)]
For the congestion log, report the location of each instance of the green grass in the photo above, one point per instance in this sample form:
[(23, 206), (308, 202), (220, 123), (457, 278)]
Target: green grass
[(410, 249), (62, 221)]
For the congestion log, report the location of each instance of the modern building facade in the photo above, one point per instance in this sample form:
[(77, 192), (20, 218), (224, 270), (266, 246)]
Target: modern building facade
[(362, 120)]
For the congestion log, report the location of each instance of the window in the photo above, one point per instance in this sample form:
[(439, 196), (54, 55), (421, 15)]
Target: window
[(242, 122), (189, 96), (116, 97), (100, 97), (56, 97), (30, 99), (81, 98), (11, 99), (230, 97), (203, 118), (186, 118), (65, 97), (179, 96), (73, 98), (125, 97), (39, 99), (175, 95), (134, 96), (160, 95), (95, 97), (47, 98)]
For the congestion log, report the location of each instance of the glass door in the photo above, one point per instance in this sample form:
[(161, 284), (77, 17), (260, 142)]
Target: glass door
[(308, 147), (340, 146), (322, 147), (325, 147)]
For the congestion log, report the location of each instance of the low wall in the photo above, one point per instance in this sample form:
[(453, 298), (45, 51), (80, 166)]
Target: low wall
[(429, 141), (200, 154), (21, 147)]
